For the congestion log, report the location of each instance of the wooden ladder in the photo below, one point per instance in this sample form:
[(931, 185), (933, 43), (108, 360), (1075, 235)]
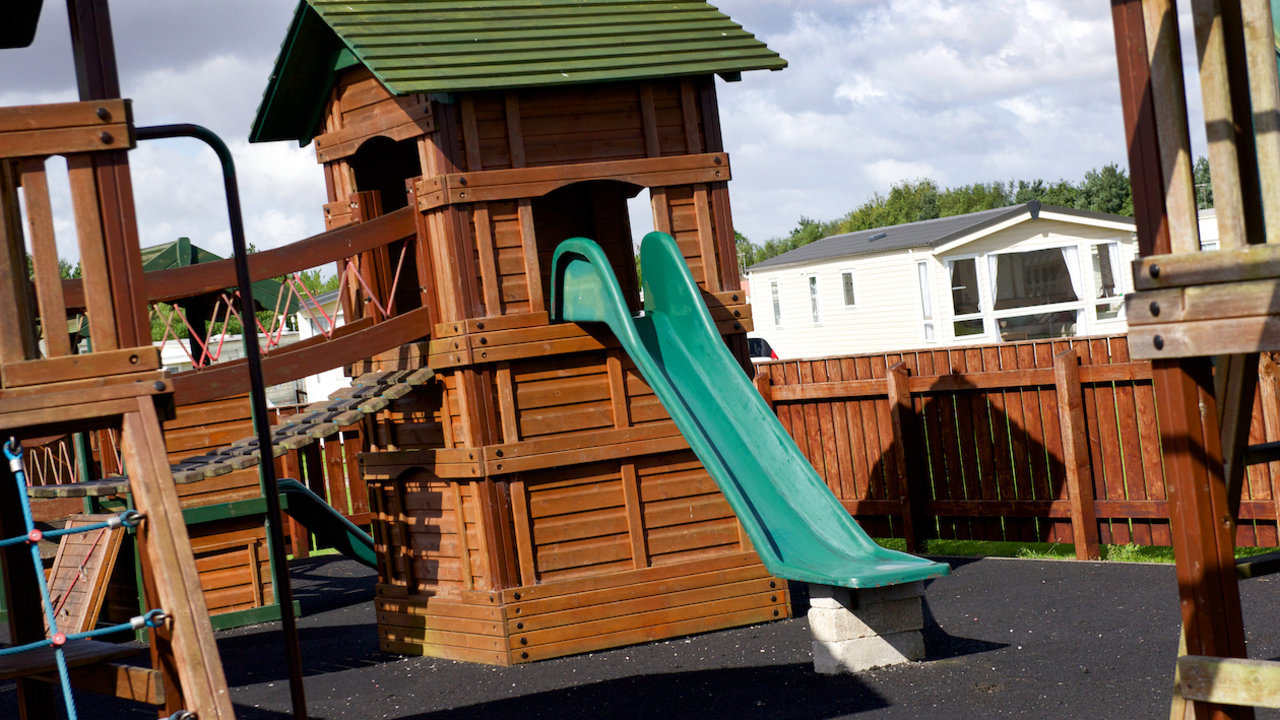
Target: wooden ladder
[(1191, 306), (48, 386)]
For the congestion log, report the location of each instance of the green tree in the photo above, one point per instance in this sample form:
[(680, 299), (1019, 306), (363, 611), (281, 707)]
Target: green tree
[(1106, 190), (317, 283), (746, 250), (1203, 182), (1061, 193), (1102, 190), (972, 198)]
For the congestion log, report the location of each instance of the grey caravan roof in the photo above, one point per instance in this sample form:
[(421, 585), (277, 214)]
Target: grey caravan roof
[(925, 233)]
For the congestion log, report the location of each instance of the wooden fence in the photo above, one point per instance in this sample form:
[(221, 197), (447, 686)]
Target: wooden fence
[(1050, 441)]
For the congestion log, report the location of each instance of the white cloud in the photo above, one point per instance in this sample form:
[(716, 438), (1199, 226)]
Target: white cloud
[(962, 91), (886, 173)]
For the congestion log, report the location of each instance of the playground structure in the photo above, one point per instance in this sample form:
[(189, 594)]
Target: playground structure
[(1191, 304), (541, 493), (533, 497)]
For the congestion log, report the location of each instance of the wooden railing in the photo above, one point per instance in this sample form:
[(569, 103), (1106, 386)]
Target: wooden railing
[(1051, 441)]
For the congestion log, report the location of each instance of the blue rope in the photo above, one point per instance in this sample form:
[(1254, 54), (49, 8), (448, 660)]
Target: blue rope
[(128, 518), (13, 452), (153, 619)]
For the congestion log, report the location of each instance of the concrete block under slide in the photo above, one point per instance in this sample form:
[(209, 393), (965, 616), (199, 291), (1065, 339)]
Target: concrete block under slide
[(860, 629)]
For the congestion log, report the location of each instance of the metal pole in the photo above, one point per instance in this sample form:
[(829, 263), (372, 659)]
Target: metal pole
[(257, 401)]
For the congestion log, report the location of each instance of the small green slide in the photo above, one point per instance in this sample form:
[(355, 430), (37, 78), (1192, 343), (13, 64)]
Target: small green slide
[(799, 529), (328, 525)]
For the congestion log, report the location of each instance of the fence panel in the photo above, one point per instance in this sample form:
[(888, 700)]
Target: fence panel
[(982, 442)]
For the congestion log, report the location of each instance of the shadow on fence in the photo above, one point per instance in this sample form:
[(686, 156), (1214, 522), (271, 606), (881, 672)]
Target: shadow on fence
[(1049, 441)]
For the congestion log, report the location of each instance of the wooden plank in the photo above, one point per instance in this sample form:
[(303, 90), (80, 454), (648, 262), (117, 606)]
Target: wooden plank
[(80, 367), (78, 654), (910, 483), (1202, 302), (1229, 336), (165, 548), (1129, 421), (706, 238), (1044, 437), (44, 258), (395, 118), (17, 332), (522, 183), (669, 624), (97, 283), (648, 120), (1168, 100), (529, 247), (588, 620), (524, 535), (1230, 681), (1203, 547), (137, 684), (65, 128), (21, 118), (1228, 265), (330, 246), (291, 361), (1075, 446)]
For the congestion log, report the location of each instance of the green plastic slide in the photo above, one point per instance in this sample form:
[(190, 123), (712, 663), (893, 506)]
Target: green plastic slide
[(799, 529), (328, 525)]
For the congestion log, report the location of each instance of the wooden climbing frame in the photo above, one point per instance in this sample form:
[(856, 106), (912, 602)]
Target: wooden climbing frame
[(1191, 305), (48, 386)]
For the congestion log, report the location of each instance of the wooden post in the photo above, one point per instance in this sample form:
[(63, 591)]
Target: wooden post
[(1203, 530), (764, 386), (900, 414), (290, 466), (1075, 448)]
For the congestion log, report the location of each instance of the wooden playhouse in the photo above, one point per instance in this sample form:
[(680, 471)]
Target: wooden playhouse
[(536, 501)]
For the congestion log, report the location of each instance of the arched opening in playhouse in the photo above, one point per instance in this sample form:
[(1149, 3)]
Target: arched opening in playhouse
[(382, 165), (595, 210)]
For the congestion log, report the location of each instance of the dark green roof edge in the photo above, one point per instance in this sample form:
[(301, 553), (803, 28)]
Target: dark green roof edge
[(307, 66), (292, 106)]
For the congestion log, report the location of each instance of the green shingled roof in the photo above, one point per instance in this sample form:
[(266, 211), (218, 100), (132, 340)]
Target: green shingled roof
[(433, 46)]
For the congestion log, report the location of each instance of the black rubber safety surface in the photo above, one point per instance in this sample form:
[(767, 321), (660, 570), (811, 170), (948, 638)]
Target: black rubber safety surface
[(1005, 638)]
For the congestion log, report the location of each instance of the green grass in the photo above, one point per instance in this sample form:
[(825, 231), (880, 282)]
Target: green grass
[(1047, 551)]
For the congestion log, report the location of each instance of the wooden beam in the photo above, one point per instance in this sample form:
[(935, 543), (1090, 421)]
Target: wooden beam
[(515, 183), (1075, 447), (1196, 268), (1168, 99), (910, 483), (1227, 336), (65, 128), (173, 572), (44, 258)]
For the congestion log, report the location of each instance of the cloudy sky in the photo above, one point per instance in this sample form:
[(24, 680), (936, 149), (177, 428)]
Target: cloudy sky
[(877, 91)]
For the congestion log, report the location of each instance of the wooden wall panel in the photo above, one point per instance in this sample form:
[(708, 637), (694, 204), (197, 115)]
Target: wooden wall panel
[(578, 520)]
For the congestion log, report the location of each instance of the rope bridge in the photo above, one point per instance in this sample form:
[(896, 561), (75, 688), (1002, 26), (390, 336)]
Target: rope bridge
[(368, 394)]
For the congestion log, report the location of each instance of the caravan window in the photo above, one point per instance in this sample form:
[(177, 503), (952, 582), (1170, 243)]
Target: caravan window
[(1037, 293)]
